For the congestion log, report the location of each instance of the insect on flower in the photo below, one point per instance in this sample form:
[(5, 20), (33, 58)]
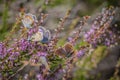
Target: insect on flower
[(28, 20), (66, 51), (41, 35)]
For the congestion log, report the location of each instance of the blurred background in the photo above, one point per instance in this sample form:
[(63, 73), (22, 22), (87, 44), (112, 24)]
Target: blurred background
[(56, 9)]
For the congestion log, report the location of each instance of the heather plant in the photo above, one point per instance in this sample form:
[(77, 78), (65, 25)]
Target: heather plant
[(36, 46)]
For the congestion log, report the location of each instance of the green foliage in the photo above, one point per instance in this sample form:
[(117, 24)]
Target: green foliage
[(60, 42), (113, 2), (81, 43), (56, 2), (4, 25), (87, 64), (54, 62), (4, 17), (94, 2)]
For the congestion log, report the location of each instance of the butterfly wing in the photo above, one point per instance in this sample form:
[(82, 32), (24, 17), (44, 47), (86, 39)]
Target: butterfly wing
[(42, 35), (25, 24), (42, 29), (37, 36), (28, 20), (35, 19), (47, 34), (44, 40), (61, 52), (43, 60), (69, 49)]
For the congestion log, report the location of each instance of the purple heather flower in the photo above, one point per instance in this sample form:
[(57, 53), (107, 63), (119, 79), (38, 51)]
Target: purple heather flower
[(91, 31), (100, 25), (11, 58), (23, 44), (31, 31), (3, 51), (39, 77), (41, 54), (70, 39), (26, 76), (0, 76), (81, 53), (9, 50), (94, 43), (16, 54), (107, 43), (59, 74), (86, 36)]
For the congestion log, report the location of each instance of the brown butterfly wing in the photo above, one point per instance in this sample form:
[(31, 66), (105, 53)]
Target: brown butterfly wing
[(60, 52), (69, 49)]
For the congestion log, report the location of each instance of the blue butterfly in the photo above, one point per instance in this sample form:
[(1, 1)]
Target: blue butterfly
[(42, 35), (28, 20)]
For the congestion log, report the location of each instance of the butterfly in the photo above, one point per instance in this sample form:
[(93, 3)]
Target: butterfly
[(41, 35), (28, 20), (66, 51)]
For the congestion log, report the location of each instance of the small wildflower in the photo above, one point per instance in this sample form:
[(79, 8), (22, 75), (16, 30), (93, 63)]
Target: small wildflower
[(26, 76), (39, 77), (80, 53)]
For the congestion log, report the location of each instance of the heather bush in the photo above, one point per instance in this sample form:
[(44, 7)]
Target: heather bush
[(33, 52)]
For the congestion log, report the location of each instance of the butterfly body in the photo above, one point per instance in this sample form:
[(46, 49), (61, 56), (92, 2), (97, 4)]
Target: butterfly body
[(44, 40), (37, 36)]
